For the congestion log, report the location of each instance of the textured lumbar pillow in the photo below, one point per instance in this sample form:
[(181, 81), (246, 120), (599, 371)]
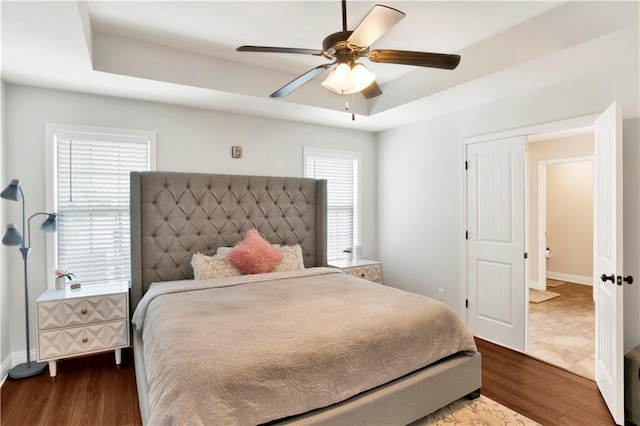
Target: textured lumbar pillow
[(254, 255), (292, 261), (205, 267)]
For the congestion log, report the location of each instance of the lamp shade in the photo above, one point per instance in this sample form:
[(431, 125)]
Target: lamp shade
[(12, 236), (12, 191), (345, 80), (339, 79), (51, 223), (362, 78)]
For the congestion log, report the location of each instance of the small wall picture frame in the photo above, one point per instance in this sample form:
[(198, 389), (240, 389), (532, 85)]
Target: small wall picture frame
[(236, 151)]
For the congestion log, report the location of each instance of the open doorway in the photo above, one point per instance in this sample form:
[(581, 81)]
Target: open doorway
[(561, 323), (497, 261)]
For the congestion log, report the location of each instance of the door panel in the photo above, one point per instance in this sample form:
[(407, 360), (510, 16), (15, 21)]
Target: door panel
[(496, 244), (608, 260)]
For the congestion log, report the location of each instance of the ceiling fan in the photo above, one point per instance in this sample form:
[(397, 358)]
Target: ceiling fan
[(346, 47)]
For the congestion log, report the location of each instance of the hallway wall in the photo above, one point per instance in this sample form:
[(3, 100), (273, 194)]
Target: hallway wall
[(550, 149), (569, 202)]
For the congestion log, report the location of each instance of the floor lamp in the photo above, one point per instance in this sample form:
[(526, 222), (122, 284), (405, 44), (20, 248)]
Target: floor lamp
[(13, 238)]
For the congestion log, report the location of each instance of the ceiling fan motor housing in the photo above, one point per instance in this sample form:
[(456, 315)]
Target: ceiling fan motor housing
[(336, 45)]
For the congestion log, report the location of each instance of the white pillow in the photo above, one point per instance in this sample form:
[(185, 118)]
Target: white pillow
[(292, 261), (205, 267), (223, 251)]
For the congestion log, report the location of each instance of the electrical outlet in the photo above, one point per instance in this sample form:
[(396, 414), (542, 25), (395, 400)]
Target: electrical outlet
[(441, 293)]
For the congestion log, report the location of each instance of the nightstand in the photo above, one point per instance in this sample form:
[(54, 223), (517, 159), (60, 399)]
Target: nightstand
[(91, 319), (363, 268)]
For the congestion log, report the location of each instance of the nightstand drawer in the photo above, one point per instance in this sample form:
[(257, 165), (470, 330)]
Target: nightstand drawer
[(79, 340), (368, 272), (79, 311)]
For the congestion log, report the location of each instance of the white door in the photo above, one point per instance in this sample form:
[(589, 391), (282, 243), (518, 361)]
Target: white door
[(497, 309), (607, 260)]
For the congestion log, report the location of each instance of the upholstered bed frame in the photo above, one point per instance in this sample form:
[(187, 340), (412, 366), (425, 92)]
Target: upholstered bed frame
[(174, 215)]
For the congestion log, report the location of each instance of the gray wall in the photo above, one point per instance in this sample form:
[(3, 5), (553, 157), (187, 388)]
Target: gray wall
[(631, 223), (420, 183), (188, 139)]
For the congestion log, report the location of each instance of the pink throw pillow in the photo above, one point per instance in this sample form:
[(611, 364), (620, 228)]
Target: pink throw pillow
[(254, 255)]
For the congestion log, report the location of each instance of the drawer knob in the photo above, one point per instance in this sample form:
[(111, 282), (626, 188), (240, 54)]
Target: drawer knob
[(85, 339), (83, 312)]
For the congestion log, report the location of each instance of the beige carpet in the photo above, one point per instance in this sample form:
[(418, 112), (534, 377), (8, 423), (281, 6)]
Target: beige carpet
[(538, 296), (480, 411)]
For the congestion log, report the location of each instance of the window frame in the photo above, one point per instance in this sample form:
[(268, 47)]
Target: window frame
[(343, 155), (53, 132)]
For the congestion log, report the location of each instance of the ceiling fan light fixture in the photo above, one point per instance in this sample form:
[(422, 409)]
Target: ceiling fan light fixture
[(362, 77), (339, 79), (345, 80)]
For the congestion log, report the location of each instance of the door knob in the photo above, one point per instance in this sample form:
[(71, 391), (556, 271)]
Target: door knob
[(628, 279), (606, 278)]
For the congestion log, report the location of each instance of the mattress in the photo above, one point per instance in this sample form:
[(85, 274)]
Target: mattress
[(253, 349)]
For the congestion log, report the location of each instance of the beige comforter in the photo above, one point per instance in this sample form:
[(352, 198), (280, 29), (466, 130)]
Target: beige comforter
[(251, 349)]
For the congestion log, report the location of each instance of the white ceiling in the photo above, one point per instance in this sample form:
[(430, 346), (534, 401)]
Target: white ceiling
[(184, 52)]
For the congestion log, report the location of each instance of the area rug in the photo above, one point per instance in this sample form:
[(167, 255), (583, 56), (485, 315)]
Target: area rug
[(551, 283), (538, 296), (480, 411)]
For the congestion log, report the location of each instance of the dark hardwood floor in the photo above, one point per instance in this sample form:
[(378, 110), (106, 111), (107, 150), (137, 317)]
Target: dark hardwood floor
[(87, 391), (543, 392), (90, 391)]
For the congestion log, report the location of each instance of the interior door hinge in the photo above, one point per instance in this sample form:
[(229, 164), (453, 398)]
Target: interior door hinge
[(466, 303), (526, 256), (466, 165), (466, 235)]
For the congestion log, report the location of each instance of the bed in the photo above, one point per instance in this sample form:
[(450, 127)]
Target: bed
[(314, 346)]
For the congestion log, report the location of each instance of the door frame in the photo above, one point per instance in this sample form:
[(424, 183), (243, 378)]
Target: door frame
[(542, 212), (550, 127)]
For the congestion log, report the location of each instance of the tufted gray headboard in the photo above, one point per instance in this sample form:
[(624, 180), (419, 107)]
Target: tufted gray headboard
[(174, 215)]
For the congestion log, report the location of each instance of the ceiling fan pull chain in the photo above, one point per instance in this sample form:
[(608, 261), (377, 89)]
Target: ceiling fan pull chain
[(353, 113), (346, 105)]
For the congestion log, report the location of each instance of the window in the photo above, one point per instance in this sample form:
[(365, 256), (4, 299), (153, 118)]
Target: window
[(89, 183), (340, 169)]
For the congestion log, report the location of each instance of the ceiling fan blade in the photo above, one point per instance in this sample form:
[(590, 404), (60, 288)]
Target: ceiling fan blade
[(419, 59), (269, 49), (378, 21), (292, 85), (371, 91)]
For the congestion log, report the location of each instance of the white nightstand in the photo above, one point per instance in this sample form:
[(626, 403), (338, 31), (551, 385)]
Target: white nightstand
[(91, 319), (364, 268)]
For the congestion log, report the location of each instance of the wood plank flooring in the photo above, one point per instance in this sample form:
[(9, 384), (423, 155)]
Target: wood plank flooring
[(90, 391), (543, 392), (87, 391)]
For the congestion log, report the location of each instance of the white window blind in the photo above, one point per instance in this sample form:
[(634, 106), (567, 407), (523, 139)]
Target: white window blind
[(341, 173), (92, 201)]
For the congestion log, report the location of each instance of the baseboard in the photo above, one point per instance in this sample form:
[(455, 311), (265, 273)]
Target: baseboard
[(577, 279), (13, 359), (21, 356), (535, 285), (4, 369)]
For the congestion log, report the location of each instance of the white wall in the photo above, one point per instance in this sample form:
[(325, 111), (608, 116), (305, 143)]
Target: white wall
[(189, 139), (420, 234), (4, 282)]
